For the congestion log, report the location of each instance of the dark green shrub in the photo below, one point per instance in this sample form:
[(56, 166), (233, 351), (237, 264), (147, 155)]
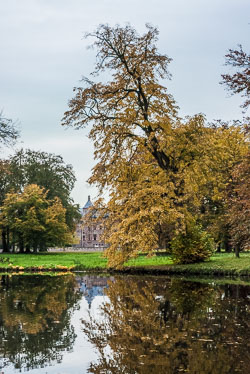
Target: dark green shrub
[(196, 245)]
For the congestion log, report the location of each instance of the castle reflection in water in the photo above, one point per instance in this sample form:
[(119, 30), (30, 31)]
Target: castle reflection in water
[(92, 286)]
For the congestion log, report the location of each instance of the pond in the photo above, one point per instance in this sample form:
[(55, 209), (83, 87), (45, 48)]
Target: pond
[(72, 324)]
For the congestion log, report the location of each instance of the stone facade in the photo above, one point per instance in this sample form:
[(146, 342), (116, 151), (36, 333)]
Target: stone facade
[(89, 233)]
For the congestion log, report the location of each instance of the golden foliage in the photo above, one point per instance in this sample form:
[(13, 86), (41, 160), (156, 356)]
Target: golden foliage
[(160, 171), (33, 220)]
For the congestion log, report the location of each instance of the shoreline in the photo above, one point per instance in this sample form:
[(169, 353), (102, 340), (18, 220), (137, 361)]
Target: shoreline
[(130, 270), (180, 271), (219, 264)]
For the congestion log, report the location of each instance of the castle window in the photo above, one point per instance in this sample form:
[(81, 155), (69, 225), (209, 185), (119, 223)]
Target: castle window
[(95, 237), (83, 238)]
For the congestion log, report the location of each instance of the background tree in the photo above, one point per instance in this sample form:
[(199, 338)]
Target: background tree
[(47, 171), (9, 134), (239, 206), (4, 188), (34, 221), (239, 82), (8, 131), (44, 169), (238, 219), (227, 146)]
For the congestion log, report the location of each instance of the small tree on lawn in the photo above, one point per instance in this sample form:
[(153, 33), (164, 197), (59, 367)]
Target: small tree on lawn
[(34, 222)]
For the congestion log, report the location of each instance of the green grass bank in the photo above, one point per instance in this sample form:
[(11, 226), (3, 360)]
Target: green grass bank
[(219, 264)]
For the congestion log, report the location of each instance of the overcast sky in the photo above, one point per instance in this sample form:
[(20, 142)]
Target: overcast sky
[(44, 55)]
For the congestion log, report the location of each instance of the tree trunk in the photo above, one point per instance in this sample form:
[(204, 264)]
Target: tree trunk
[(21, 245), (5, 241), (218, 249), (27, 249), (43, 248), (237, 251), (228, 247), (8, 239)]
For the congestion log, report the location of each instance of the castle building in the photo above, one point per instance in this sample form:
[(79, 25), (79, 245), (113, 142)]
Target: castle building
[(89, 232)]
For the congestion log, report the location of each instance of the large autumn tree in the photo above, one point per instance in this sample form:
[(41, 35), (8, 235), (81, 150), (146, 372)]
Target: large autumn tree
[(132, 111), (158, 168)]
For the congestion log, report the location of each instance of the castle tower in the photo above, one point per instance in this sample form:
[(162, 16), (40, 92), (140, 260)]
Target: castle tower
[(90, 231), (87, 206)]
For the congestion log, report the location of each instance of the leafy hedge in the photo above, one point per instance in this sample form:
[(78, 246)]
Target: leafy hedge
[(196, 245)]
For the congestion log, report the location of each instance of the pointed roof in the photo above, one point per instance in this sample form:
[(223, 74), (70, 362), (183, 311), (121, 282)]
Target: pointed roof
[(88, 203)]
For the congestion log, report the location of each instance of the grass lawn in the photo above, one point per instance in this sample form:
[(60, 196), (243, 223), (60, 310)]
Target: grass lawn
[(220, 263), (53, 261)]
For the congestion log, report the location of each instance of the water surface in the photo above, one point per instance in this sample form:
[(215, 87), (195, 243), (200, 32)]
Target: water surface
[(97, 324)]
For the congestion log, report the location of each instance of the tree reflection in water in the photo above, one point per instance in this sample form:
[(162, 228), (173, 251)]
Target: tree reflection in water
[(35, 316), (159, 326)]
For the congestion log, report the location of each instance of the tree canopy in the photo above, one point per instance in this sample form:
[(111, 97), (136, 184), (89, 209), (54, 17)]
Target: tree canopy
[(134, 107), (34, 221), (164, 174), (46, 170)]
